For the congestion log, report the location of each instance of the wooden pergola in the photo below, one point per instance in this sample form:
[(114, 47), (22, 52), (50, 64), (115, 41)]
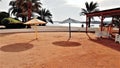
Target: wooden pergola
[(102, 14)]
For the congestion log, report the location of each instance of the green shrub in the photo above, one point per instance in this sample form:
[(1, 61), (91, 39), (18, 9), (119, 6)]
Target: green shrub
[(3, 15), (12, 23)]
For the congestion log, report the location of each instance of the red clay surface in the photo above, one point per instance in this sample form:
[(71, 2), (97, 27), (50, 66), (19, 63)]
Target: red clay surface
[(53, 50)]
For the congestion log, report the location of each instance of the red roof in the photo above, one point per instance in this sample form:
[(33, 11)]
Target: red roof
[(105, 13)]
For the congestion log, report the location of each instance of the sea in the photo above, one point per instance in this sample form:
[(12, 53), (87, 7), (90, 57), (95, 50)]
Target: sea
[(92, 25)]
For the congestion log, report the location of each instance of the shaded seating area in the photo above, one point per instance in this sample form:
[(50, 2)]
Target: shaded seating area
[(102, 34), (110, 13), (107, 31)]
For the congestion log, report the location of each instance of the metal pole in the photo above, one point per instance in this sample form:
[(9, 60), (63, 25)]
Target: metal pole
[(69, 30)]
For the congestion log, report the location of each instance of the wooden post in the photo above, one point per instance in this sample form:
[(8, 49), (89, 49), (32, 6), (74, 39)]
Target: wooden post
[(101, 27), (36, 31), (86, 24), (111, 26)]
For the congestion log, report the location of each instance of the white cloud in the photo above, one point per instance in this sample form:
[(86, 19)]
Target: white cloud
[(62, 9), (4, 5), (80, 3), (53, 4), (109, 4)]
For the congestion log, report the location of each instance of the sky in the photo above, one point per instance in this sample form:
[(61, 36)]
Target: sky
[(63, 9)]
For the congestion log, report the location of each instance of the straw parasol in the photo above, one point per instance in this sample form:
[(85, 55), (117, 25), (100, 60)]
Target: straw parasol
[(35, 22), (69, 20)]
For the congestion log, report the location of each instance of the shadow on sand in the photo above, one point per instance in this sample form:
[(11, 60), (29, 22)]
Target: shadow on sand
[(106, 42), (66, 43), (17, 47)]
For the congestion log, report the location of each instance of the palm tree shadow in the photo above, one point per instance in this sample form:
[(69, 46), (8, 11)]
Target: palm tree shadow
[(88, 36), (66, 43), (17, 47), (107, 42)]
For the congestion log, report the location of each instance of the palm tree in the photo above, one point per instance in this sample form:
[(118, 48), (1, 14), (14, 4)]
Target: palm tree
[(24, 8), (90, 7), (33, 6), (45, 15), (16, 9), (36, 5)]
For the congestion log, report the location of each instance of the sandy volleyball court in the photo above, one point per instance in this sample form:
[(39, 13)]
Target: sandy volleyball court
[(53, 50)]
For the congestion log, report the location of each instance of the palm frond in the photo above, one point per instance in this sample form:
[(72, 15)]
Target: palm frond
[(45, 15), (94, 7), (87, 6), (90, 7), (83, 11), (12, 3)]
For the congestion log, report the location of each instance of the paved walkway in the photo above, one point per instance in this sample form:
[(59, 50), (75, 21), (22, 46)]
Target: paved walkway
[(47, 29)]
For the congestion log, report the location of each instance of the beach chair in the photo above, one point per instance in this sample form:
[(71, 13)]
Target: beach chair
[(105, 34), (117, 38), (98, 34), (102, 34)]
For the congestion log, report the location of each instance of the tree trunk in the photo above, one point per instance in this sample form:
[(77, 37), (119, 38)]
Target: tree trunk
[(89, 22), (29, 12)]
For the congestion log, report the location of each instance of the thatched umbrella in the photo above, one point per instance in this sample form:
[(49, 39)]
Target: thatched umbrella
[(69, 20), (35, 22)]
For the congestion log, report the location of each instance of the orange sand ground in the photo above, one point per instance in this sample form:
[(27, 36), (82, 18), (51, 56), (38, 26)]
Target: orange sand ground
[(52, 50)]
